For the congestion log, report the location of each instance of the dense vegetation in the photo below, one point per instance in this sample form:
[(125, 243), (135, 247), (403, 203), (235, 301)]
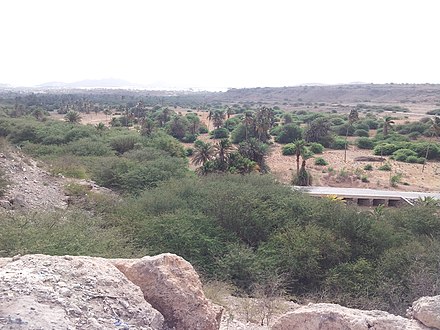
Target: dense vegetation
[(242, 229)]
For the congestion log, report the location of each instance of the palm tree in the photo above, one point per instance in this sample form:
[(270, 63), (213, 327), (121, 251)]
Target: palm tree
[(263, 122), (300, 150), (229, 111), (256, 151), (218, 118), (352, 117), (100, 127), (147, 127), (223, 148), (72, 117), (203, 152), (435, 130), (210, 114), (387, 125), (248, 122)]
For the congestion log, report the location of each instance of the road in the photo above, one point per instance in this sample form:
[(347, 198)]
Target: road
[(365, 193)]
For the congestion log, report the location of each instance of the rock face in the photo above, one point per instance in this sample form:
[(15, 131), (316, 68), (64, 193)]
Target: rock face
[(336, 317), (45, 292), (172, 287), (427, 311)]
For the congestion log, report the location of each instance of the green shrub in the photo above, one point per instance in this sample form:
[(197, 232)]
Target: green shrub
[(88, 147), (338, 144), (414, 135), (368, 167), (320, 161), (361, 132), (288, 149), (203, 129), (364, 143), (189, 138), (385, 149), (220, 133), (316, 148), (411, 159), (289, 133), (165, 142), (385, 167), (402, 154), (68, 166), (123, 144)]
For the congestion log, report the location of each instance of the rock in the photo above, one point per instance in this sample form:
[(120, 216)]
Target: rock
[(46, 297), (336, 317), (19, 201), (5, 204), (171, 285), (427, 311)]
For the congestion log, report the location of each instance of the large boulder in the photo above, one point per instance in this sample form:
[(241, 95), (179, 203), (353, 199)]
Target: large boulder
[(47, 292), (427, 311), (172, 286), (336, 317)]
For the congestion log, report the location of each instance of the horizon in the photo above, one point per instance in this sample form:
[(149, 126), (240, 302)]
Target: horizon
[(220, 44)]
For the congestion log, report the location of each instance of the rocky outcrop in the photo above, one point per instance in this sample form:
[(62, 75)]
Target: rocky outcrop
[(427, 311), (336, 317), (172, 287), (45, 292)]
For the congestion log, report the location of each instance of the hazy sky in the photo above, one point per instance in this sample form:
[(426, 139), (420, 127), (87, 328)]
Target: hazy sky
[(227, 43)]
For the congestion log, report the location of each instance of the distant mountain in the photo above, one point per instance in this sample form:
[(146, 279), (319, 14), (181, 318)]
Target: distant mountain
[(5, 85), (91, 83)]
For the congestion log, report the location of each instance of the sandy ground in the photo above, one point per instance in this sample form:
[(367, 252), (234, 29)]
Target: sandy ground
[(338, 173), (346, 174)]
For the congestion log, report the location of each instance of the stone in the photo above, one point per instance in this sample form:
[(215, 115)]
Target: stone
[(427, 311), (336, 317), (6, 204), (43, 297), (172, 286)]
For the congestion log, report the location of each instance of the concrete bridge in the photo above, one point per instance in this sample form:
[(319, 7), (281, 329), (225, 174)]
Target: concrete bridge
[(369, 197)]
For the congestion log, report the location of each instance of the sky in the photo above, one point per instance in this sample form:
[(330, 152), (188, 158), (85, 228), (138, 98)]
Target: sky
[(217, 44)]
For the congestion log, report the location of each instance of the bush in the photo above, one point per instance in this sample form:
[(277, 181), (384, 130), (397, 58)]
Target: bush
[(220, 133), (338, 144), (368, 167), (402, 154), (289, 133), (412, 159), (320, 161), (342, 130), (288, 149), (361, 132), (124, 143), (385, 149), (364, 143), (203, 129), (88, 147), (414, 135), (316, 148), (385, 167)]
